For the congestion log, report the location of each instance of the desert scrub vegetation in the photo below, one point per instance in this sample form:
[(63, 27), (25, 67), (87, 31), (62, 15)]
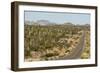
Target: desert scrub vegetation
[(86, 51), (49, 42)]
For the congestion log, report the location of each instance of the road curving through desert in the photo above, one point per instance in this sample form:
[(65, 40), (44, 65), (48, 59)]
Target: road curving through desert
[(77, 51)]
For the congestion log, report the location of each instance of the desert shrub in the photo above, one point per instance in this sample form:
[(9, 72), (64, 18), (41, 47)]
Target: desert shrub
[(27, 53), (51, 54)]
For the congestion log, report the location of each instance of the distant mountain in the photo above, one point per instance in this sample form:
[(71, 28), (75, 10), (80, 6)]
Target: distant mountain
[(31, 23), (28, 23), (84, 24), (43, 22), (47, 22), (87, 24), (69, 24)]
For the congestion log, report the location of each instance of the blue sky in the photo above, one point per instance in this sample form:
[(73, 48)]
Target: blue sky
[(58, 17)]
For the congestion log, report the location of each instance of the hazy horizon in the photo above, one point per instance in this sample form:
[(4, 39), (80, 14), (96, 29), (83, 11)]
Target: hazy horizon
[(57, 17)]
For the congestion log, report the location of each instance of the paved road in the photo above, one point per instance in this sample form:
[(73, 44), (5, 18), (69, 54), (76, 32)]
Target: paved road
[(76, 52)]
